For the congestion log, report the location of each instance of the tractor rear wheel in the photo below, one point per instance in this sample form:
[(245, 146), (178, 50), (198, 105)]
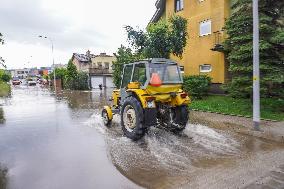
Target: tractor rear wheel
[(132, 119), (179, 118)]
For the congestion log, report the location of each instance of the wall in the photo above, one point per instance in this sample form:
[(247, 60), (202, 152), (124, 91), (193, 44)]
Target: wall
[(103, 60), (84, 67)]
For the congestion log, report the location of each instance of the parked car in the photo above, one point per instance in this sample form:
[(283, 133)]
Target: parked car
[(16, 81), (31, 82)]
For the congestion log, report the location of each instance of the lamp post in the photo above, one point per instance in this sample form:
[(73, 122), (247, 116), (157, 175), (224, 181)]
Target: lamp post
[(54, 78), (256, 95)]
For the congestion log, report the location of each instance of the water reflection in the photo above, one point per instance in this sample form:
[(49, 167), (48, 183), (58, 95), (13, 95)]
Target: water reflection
[(86, 99), (3, 177), (2, 119)]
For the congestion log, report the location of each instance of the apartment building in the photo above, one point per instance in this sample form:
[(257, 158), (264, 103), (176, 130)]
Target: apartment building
[(204, 53)]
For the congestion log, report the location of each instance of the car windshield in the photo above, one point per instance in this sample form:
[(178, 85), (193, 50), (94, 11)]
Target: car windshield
[(169, 73)]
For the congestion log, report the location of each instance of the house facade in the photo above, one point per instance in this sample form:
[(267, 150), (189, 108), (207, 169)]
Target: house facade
[(204, 53), (98, 67), (101, 70)]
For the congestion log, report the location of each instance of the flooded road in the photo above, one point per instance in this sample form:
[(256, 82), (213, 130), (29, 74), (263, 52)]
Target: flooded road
[(58, 143)]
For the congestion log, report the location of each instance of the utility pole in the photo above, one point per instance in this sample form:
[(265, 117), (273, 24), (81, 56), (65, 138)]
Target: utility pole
[(54, 76), (256, 95)]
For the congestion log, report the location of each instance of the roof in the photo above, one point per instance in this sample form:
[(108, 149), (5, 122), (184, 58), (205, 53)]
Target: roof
[(160, 4), (82, 57)]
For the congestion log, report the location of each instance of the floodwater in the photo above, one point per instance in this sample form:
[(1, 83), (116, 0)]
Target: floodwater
[(60, 142)]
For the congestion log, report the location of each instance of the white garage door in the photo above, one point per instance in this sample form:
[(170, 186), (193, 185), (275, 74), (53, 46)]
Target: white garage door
[(96, 81), (109, 82)]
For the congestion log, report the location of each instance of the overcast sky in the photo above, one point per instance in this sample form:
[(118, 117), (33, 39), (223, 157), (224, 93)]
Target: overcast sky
[(73, 25)]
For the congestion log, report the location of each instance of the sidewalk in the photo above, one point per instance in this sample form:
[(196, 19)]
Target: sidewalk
[(269, 130)]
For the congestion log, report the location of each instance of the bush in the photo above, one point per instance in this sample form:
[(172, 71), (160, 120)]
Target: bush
[(5, 89), (4, 76), (82, 81), (197, 85)]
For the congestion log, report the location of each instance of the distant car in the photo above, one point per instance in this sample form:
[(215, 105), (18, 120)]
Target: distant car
[(16, 81), (31, 82)]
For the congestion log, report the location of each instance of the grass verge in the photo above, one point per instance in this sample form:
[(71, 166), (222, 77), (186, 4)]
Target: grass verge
[(271, 108), (4, 89)]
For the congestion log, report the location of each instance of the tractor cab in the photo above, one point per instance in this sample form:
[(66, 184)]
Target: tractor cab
[(154, 72)]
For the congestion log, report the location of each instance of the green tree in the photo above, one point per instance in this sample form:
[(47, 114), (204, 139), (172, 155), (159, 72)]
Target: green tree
[(82, 81), (4, 76), (71, 75), (161, 39), (60, 73), (124, 55), (240, 50)]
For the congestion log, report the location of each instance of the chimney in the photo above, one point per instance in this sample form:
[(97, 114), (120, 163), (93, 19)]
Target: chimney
[(88, 53)]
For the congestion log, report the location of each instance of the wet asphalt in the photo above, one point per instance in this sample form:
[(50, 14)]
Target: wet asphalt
[(59, 141)]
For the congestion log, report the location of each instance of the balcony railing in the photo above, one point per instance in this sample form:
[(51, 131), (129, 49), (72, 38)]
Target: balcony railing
[(99, 71), (218, 42)]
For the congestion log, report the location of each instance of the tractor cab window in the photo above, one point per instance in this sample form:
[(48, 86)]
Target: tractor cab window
[(126, 75), (139, 74), (168, 73)]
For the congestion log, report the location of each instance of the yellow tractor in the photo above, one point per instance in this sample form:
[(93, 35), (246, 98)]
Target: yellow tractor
[(150, 94)]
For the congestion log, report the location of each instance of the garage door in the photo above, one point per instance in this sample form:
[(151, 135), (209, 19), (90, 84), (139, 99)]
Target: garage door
[(109, 82), (96, 81)]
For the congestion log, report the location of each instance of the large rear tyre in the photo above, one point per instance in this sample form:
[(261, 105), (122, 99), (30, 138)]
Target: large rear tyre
[(179, 118), (132, 119)]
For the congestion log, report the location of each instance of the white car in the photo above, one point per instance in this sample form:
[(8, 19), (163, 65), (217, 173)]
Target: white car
[(31, 82)]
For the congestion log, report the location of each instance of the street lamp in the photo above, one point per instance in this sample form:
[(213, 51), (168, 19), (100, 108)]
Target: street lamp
[(54, 79)]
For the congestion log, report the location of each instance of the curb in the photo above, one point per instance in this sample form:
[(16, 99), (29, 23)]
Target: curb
[(272, 133), (236, 115)]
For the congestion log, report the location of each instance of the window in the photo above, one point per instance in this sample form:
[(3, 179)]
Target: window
[(100, 66), (106, 65), (169, 73), (205, 68), (205, 27), (181, 69), (178, 5), (126, 75), (139, 74)]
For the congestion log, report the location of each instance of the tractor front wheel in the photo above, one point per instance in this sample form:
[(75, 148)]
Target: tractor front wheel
[(132, 119), (107, 116)]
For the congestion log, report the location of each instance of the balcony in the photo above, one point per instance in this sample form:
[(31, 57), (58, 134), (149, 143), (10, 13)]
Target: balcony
[(99, 71), (218, 42)]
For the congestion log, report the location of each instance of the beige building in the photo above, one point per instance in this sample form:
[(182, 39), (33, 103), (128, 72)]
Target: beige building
[(98, 67), (103, 62)]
